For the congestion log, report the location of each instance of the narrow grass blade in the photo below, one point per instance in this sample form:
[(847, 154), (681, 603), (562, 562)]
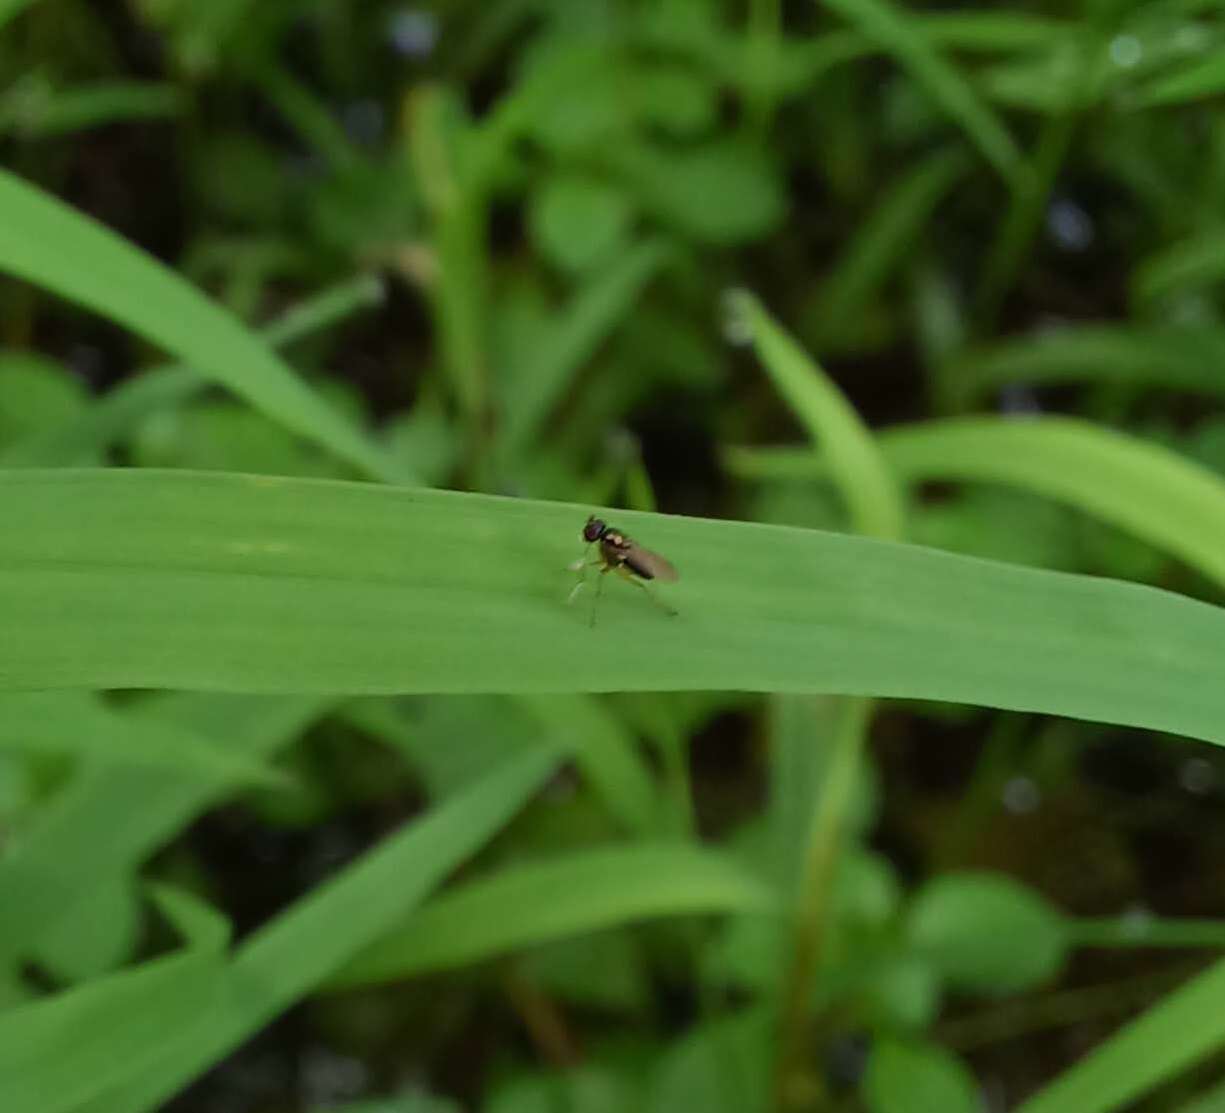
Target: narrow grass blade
[(45, 242), (1187, 358), (306, 945), (120, 410), (1187, 264), (109, 818), (606, 753), (79, 723), (1204, 77), (855, 464), (581, 327), (1158, 495), (62, 111), (1178, 1031), (903, 37), (1168, 500), (885, 242), (61, 1051), (583, 891), (134, 578)]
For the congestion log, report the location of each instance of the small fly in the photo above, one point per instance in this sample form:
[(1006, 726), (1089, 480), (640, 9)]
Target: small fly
[(621, 554)]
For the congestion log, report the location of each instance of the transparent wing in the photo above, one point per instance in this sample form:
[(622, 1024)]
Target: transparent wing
[(649, 565)]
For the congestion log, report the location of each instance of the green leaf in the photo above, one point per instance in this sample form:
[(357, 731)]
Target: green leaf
[(45, 242), (1164, 498), (571, 339), (291, 956), (575, 894), (987, 933), (918, 1078), (855, 462), (128, 578), (903, 37), (33, 108), (103, 824), (885, 241), (723, 192), (79, 723), (35, 392), (98, 938), (1203, 77), (721, 1067), (79, 437), (1186, 264), (605, 752), (59, 1052), (577, 221), (1181, 1029), (1167, 357)]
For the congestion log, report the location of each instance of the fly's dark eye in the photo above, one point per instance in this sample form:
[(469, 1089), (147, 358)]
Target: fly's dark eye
[(593, 530)]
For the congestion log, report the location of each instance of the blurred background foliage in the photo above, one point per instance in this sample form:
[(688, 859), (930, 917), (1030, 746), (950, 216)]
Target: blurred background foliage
[(500, 235)]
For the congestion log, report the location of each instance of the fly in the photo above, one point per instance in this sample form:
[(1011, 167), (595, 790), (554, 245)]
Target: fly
[(621, 554)]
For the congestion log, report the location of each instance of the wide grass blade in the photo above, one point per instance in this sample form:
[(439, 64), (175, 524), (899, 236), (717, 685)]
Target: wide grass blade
[(904, 38), (110, 816), (581, 892), (45, 242), (298, 950), (1178, 1031), (63, 1050), (134, 578)]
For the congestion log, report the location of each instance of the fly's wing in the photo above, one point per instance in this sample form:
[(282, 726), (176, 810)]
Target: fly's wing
[(649, 565)]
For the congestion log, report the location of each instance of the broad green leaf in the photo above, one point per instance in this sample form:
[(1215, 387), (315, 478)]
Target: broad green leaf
[(78, 439), (1185, 358), (97, 938), (581, 892), (578, 221), (110, 817), (35, 392), (836, 430), (128, 578), (987, 933), (1162, 497), (1180, 1030), (918, 1078), (903, 37), (301, 948), (47, 243), (721, 1067), (885, 241), (61, 1051)]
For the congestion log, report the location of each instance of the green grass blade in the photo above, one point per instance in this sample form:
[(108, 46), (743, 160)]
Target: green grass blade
[(80, 724), (1186, 264), (61, 1051), (1202, 78), (62, 111), (47, 243), (885, 242), (580, 892), (134, 578), (1178, 1031), (606, 753), (306, 945), (109, 818), (1168, 500), (120, 410), (1175, 357), (1146, 489), (903, 37), (581, 326), (855, 464)]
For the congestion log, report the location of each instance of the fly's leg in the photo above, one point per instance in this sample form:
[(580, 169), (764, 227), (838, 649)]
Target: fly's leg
[(627, 575), (599, 584), (580, 566)]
